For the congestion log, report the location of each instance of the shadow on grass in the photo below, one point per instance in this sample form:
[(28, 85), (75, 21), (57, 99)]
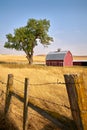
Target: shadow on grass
[(6, 123), (66, 123), (69, 125), (62, 122)]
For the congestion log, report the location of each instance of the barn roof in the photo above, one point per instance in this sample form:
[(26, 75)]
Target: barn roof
[(56, 55)]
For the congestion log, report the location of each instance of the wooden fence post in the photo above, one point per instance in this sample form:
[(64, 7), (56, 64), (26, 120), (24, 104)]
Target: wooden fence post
[(25, 111), (78, 99), (8, 93)]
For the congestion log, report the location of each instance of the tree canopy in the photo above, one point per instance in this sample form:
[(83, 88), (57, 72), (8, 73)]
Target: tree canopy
[(24, 38)]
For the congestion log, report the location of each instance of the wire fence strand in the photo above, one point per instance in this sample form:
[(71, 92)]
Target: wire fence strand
[(2, 82), (19, 81), (40, 84), (53, 103), (35, 84)]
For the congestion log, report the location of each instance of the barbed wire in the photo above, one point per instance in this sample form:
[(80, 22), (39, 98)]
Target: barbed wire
[(18, 91), (65, 106), (62, 105), (2, 82), (44, 100), (37, 115), (42, 84), (19, 81), (2, 92), (49, 83), (21, 116), (57, 82)]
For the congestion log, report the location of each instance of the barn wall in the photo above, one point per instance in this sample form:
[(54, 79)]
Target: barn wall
[(77, 63), (80, 63), (54, 62), (63, 59), (68, 60)]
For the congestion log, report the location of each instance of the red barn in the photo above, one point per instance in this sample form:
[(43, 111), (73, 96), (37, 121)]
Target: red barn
[(80, 62), (59, 58)]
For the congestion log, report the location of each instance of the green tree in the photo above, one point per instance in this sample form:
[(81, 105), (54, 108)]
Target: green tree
[(24, 38)]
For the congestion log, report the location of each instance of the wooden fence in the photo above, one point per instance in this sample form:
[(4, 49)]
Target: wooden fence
[(78, 99), (76, 94)]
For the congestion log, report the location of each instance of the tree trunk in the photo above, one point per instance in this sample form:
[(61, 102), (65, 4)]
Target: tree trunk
[(30, 59)]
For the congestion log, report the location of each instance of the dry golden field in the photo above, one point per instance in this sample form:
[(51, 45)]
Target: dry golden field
[(42, 92)]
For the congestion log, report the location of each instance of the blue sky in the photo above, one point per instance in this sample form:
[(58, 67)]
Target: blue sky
[(68, 19)]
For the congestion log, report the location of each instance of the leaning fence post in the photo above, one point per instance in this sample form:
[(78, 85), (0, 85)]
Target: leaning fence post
[(8, 92), (78, 99), (25, 111)]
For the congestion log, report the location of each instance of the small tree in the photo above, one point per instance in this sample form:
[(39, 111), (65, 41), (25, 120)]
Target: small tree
[(24, 38)]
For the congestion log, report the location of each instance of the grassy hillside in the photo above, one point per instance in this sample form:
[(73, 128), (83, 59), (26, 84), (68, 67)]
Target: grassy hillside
[(20, 59), (42, 91)]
